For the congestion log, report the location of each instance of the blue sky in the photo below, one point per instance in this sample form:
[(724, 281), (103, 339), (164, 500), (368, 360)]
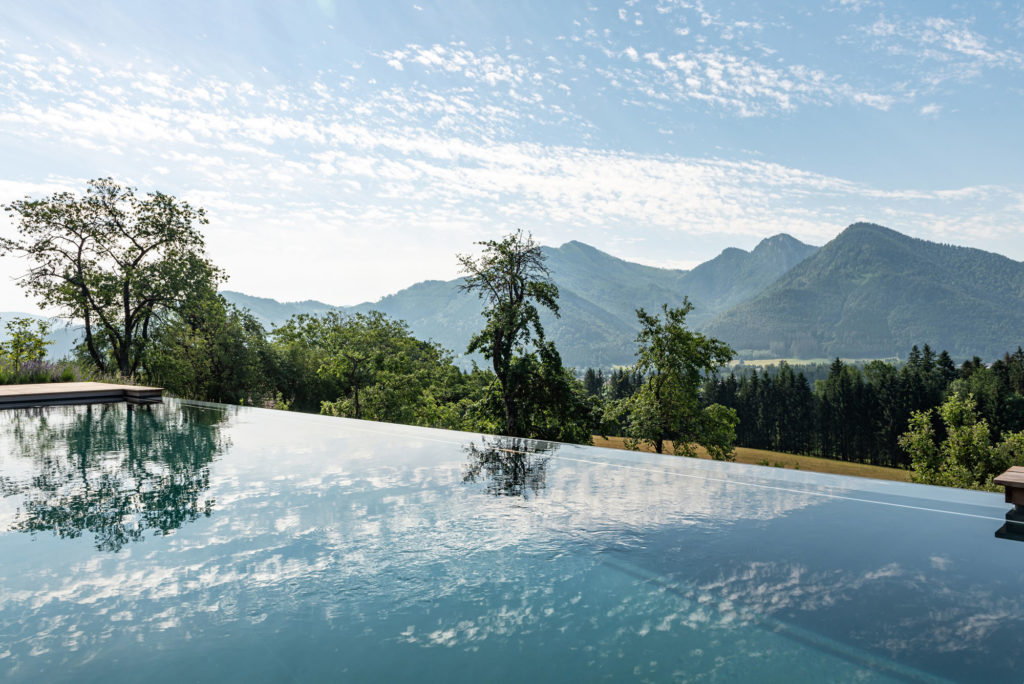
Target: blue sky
[(346, 150)]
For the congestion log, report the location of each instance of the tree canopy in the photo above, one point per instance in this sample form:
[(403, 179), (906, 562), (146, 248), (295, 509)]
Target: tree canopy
[(967, 456), (537, 396), (675, 361), (114, 260)]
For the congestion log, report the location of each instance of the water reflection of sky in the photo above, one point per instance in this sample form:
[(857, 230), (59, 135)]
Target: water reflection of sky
[(334, 548)]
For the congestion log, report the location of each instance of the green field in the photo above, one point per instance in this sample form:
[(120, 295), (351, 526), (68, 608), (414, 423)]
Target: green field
[(763, 363), (778, 459)]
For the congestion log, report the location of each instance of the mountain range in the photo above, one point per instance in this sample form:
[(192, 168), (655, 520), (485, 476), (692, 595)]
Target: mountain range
[(598, 298), (871, 292)]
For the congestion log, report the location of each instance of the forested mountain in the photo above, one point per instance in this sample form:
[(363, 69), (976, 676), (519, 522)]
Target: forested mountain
[(870, 292), (599, 294), (271, 312), (735, 276), (873, 292)]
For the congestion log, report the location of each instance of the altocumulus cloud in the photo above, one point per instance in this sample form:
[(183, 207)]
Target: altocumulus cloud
[(319, 187)]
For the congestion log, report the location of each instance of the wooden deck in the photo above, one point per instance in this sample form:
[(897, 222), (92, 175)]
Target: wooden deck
[(49, 393), (1013, 481)]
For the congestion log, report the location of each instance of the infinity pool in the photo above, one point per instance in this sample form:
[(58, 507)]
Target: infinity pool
[(199, 542)]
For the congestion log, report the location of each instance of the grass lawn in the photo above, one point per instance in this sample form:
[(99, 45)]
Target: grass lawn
[(780, 460)]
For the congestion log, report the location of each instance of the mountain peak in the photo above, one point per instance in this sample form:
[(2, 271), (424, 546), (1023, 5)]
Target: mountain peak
[(873, 292), (863, 228), (780, 241)]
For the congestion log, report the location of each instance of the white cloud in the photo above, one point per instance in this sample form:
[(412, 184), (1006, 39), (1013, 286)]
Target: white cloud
[(941, 49), (737, 83), (352, 192)]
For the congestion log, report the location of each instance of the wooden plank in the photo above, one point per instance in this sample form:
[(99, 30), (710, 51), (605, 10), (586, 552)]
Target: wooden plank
[(41, 394), (1014, 477)]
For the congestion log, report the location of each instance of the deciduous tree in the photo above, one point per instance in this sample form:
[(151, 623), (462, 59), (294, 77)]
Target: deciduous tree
[(675, 361), (113, 260), (538, 397), (966, 457)]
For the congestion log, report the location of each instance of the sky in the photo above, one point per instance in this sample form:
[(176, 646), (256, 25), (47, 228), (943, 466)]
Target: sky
[(345, 150)]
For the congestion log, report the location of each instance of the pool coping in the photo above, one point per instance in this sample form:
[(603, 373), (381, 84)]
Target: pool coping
[(58, 393)]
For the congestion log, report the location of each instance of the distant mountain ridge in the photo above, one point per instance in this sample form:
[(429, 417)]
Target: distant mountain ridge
[(871, 292), (599, 295), (874, 292), (271, 312)]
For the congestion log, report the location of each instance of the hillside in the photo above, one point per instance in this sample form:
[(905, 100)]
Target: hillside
[(599, 294), (735, 276), (873, 292), (271, 312)]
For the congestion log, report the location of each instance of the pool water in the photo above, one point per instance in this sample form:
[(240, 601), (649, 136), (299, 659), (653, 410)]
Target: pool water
[(199, 542)]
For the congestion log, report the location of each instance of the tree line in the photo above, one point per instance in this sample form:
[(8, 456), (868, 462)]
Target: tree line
[(133, 270)]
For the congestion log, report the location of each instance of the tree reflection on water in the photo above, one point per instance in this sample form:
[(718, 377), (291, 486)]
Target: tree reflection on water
[(510, 466), (111, 470)]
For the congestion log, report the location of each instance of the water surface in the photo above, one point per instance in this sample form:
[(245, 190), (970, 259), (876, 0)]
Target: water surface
[(191, 541)]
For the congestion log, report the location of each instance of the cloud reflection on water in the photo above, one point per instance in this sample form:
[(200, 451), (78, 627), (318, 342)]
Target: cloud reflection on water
[(378, 533)]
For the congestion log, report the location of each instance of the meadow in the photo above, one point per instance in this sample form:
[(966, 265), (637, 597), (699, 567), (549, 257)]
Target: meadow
[(778, 459)]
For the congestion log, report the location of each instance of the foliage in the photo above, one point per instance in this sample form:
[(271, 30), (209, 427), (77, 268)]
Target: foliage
[(23, 352), (113, 260), (675, 360), (42, 371), (298, 349), (554, 405), (26, 340), (369, 366), (966, 457), (210, 350), (536, 396), (858, 413)]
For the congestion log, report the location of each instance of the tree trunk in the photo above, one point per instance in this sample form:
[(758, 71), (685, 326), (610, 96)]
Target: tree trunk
[(511, 412), (91, 345), (122, 353)]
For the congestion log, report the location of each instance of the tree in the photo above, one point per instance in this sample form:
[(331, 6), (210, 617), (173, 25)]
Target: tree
[(23, 343), (966, 457), (511, 278), (113, 260), (210, 350), (675, 361), (593, 381), (385, 372), (369, 366)]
